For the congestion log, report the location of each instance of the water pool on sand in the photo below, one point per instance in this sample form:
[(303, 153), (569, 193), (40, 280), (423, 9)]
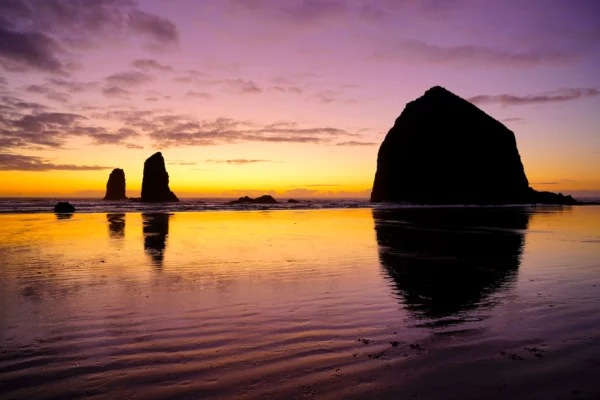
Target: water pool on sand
[(339, 303)]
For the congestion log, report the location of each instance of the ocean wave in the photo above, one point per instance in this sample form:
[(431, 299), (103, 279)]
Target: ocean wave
[(46, 205)]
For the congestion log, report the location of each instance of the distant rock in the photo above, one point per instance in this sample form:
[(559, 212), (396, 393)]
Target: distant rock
[(552, 198), (266, 199), (444, 150), (155, 183), (115, 187), (64, 207), (293, 201)]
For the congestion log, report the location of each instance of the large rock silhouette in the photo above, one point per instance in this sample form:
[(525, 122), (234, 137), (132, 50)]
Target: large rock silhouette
[(115, 187), (155, 183), (444, 150)]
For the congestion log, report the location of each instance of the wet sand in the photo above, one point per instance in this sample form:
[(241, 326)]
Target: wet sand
[(410, 303)]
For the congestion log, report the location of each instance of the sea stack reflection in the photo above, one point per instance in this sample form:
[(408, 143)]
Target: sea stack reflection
[(156, 231), (444, 262), (116, 225)]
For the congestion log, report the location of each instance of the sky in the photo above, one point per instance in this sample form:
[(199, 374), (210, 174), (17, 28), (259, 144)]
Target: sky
[(290, 98)]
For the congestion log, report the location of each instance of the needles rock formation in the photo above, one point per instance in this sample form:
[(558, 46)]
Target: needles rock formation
[(155, 183), (115, 187), (444, 150)]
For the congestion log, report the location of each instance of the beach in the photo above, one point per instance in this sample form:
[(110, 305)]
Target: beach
[(430, 303)]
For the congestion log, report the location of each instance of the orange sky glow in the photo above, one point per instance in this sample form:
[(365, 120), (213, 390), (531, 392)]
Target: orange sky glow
[(289, 99)]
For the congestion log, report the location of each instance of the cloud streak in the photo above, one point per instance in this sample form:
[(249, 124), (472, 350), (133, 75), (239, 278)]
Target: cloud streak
[(514, 119), (299, 12), (149, 64), (557, 96), (160, 30), (174, 130), (353, 143), (556, 182), (239, 161), (115, 92), (129, 78), (29, 125), (416, 51), (18, 162), (199, 95)]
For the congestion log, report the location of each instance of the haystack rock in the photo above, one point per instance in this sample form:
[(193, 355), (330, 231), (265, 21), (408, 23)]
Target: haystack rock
[(444, 150), (155, 183), (115, 187)]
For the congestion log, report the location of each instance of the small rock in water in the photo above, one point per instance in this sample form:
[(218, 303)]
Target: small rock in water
[(64, 207), (266, 199)]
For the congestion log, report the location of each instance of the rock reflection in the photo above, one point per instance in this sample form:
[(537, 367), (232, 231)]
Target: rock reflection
[(116, 225), (156, 230), (446, 261), (63, 215)]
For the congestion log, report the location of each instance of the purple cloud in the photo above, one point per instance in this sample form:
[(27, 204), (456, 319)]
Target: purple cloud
[(18, 162), (157, 28), (557, 96), (115, 91), (302, 12), (416, 51), (129, 78), (199, 95), (243, 86), (47, 35), (30, 49)]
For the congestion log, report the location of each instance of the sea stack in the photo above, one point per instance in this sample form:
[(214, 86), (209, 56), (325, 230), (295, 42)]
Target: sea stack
[(444, 150), (155, 183), (115, 187)]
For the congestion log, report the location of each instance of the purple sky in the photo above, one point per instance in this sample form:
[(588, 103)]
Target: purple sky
[(290, 97)]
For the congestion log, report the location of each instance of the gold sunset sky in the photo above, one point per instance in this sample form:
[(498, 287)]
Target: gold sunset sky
[(290, 98)]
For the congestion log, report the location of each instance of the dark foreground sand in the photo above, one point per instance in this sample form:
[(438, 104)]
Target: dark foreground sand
[(333, 304)]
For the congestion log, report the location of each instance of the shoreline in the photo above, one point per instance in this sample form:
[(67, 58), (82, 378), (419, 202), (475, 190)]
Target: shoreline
[(346, 303), (262, 208)]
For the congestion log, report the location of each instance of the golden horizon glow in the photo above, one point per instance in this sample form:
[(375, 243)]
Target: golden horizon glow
[(291, 103)]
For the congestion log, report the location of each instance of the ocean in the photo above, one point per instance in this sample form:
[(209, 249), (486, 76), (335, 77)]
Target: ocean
[(95, 205), (328, 302)]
